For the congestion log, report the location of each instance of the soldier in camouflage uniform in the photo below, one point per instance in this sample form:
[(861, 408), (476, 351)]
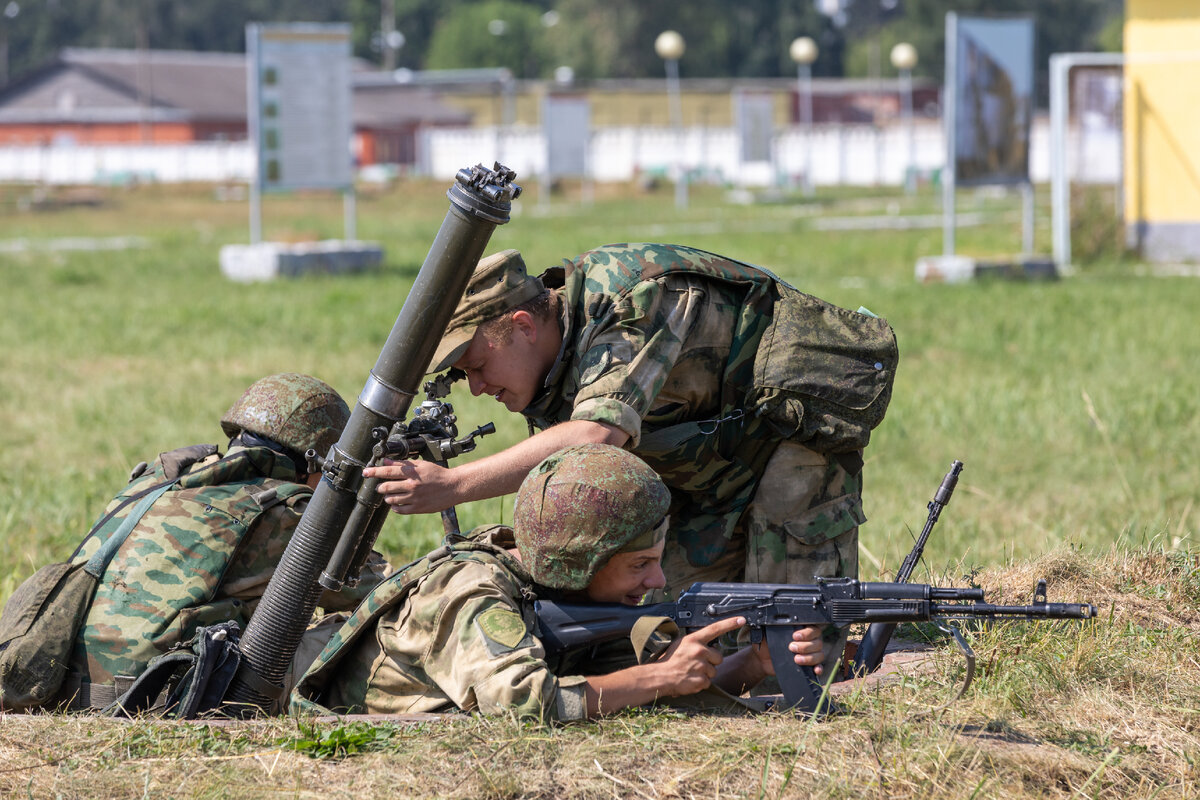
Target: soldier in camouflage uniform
[(206, 548), (456, 629), (694, 362)]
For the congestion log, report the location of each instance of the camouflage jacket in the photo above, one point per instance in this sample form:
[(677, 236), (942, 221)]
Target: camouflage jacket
[(203, 553), (660, 341), (453, 630), (700, 359)]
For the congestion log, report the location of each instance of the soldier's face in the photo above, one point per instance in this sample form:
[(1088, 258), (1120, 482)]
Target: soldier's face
[(512, 371), (627, 577)]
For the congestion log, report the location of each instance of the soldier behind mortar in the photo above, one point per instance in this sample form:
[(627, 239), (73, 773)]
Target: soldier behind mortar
[(457, 629), (655, 348), (205, 550)]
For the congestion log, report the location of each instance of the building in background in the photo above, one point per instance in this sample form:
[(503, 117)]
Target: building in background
[(705, 102), (90, 97), (1162, 128), (101, 96)]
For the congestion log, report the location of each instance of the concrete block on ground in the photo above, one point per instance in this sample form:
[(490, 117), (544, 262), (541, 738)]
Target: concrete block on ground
[(1026, 269), (269, 260), (945, 269), (958, 269)]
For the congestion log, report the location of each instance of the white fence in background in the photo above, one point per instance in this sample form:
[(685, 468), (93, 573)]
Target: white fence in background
[(855, 155), (215, 162)]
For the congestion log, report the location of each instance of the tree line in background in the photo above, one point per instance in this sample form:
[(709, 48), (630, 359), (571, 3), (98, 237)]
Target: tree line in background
[(613, 39)]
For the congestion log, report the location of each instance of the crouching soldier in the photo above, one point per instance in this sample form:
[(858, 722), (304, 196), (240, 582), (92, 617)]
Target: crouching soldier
[(204, 549), (456, 629)]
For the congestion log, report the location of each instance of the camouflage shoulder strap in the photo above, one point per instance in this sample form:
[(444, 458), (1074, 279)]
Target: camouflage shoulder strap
[(306, 697), (625, 265), (99, 562)]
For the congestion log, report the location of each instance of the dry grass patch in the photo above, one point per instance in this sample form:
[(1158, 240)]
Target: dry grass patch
[(1109, 709)]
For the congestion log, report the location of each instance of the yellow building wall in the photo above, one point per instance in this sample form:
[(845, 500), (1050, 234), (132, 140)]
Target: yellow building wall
[(617, 108), (1162, 111)]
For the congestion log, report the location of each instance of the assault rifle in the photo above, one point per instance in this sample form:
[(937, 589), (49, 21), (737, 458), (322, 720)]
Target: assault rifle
[(776, 610)]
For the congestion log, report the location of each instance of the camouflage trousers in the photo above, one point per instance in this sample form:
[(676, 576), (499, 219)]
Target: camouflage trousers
[(801, 524)]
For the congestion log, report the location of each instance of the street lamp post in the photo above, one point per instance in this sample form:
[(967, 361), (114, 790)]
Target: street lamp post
[(804, 52), (670, 46), (10, 12), (904, 58)]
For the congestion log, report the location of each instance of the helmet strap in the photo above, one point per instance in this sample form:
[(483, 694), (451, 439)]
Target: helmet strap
[(248, 439)]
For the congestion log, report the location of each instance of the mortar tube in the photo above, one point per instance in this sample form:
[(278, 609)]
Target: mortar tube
[(479, 201)]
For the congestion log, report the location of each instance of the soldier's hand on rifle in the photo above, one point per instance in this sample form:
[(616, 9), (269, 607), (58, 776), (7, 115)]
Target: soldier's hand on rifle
[(688, 666), (744, 669), (414, 487), (808, 646), (690, 662)]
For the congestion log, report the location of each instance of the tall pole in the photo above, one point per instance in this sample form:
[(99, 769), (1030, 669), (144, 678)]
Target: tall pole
[(670, 46), (804, 52), (910, 178), (904, 58), (805, 75), (10, 13), (681, 187), (1060, 67), (949, 119), (387, 33)]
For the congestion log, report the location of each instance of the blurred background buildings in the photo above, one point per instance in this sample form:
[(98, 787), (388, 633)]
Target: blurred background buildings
[(106, 92)]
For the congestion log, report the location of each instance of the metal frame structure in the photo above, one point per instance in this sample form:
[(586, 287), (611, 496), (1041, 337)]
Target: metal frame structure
[(1060, 102)]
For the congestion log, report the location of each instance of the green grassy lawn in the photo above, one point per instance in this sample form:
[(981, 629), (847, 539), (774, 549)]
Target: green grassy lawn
[(1073, 403)]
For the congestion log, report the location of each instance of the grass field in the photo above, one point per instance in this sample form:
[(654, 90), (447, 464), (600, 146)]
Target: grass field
[(1073, 403)]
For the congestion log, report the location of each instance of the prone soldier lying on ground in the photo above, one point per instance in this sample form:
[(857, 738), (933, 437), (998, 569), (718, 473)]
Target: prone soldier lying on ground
[(457, 629), (202, 534)]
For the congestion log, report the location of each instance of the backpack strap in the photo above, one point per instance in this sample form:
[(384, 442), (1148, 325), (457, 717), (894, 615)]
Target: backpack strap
[(86, 696), (174, 464), (98, 563), (309, 690)]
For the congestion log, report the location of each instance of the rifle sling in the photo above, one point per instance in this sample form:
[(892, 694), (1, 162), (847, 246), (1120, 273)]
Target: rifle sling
[(644, 629)]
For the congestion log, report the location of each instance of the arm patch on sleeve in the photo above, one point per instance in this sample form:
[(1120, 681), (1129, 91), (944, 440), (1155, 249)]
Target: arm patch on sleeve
[(503, 630), (594, 364)]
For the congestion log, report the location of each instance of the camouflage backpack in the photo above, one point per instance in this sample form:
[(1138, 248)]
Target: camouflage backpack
[(822, 375), (43, 616), (168, 559)]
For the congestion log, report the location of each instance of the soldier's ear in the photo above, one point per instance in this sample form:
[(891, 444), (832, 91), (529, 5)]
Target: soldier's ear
[(526, 324)]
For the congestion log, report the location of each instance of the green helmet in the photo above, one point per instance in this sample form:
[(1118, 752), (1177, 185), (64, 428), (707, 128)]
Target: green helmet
[(296, 411), (582, 505)]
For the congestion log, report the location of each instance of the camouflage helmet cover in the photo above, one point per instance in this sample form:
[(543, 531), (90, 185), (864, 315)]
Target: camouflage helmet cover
[(580, 506), (297, 411)]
